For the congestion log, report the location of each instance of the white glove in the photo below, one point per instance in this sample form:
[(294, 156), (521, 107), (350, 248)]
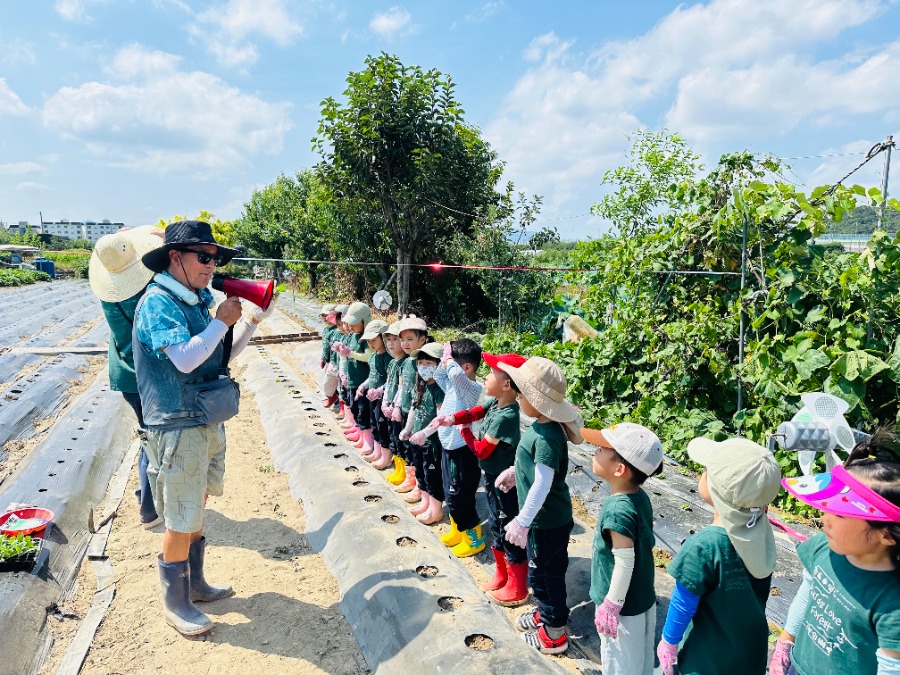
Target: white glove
[(516, 534), (258, 314), (506, 481)]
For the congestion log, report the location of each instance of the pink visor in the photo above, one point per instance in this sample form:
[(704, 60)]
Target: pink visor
[(840, 493)]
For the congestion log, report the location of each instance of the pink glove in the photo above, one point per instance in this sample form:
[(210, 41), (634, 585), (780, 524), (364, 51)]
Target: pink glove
[(606, 618), (516, 534), (334, 346), (448, 353), (418, 438), (434, 424), (781, 658), (397, 415), (375, 394), (668, 656), (404, 435), (361, 390), (343, 349), (506, 481), (444, 420), (386, 411)]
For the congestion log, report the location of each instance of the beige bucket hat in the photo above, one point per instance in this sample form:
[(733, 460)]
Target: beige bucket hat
[(115, 270), (743, 478), (543, 384)]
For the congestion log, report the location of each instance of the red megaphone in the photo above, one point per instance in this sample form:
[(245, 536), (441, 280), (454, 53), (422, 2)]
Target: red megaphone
[(258, 292)]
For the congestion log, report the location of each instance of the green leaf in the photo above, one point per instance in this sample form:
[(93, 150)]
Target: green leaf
[(810, 362), (858, 365), (816, 314)]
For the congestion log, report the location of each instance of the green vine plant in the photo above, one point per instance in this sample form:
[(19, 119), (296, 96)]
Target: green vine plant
[(817, 318)]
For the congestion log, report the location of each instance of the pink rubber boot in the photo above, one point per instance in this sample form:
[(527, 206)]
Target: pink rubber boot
[(422, 506), (412, 496), (386, 459), (368, 442), (409, 483), (374, 451), (434, 513)]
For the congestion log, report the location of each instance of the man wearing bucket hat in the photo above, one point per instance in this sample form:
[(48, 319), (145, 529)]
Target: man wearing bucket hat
[(118, 278), (723, 574), (181, 357), (545, 506)]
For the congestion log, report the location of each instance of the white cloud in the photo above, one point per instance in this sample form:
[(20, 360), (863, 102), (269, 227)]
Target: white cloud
[(75, 10), (486, 11), (155, 116), (31, 187), (392, 23), (17, 52), (19, 168), (724, 69), (10, 103), (226, 28)]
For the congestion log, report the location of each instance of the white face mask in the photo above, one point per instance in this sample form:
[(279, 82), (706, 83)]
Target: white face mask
[(426, 372)]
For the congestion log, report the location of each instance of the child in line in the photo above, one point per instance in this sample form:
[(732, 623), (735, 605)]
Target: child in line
[(723, 573), (544, 521), (459, 467), (622, 569), (845, 617), (377, 357), (496, 452), (335, 358), (403, 476), (426, 452), (329, 375), (357, 371), (413, 334)]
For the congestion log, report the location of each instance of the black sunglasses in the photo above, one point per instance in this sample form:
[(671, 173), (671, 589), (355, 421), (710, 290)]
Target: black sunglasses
[(204, 258)]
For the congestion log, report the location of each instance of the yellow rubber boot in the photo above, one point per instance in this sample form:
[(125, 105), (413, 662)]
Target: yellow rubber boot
[(472, 543), (453, 537), (400, 474)]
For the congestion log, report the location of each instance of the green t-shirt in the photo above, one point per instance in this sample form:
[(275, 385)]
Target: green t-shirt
[(338, 336), (327, 338), (729, 633), (357, 371), (121, 357), (426, 411), (545, 443), (851, 614), (378, 368), (393, 377), (408, 376), (502, 424), (631, 516)]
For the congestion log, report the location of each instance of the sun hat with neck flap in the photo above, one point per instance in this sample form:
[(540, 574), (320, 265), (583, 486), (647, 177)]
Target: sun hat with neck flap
[(183, 235), (115, 270), (543, 385)]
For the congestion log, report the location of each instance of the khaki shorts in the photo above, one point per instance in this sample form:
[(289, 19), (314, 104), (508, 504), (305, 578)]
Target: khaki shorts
[(185, 465)]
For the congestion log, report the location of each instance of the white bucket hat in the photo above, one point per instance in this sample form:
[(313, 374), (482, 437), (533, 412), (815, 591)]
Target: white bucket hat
[(543, 385), (743, 478), (115, 270)]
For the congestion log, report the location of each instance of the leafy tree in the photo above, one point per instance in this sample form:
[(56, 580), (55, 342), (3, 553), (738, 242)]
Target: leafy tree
[(399, 144), (223, 230)]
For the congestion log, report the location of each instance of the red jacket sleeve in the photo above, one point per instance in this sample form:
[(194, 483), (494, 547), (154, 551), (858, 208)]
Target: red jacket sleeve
[(481, 448), (470, 415)]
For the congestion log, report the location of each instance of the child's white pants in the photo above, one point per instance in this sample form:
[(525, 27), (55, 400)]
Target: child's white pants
[(632, 651), (329, 380)]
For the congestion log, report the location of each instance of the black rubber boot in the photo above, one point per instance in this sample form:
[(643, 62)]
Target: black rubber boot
[(178, 609), (200, 590)]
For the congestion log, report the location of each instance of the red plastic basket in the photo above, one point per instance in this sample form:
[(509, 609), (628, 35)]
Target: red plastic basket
[(32, 512)]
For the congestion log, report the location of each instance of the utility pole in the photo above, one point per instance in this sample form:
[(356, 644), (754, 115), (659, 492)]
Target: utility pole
[(740, 393), (888, 146)]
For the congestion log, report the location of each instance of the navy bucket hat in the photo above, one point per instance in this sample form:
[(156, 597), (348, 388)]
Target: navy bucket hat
[(183, 235)]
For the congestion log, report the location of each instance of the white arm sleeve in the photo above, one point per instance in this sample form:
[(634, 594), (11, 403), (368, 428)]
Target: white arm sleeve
[(241, 339), (543, 481), (623, 568), (410, 418), (398, 395), (187, 356)]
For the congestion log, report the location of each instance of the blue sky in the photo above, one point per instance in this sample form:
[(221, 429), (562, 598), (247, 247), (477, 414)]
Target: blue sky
[(133, 110)]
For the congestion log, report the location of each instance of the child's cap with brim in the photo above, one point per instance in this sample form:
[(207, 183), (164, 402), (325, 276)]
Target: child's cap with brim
[(842, 494), (432, 350), (394, 328), (374, 328), (493, 360), (743, 478), (636, 444), (341, 309), (358, 312), (327, 309), (412, 322), (543, 385)]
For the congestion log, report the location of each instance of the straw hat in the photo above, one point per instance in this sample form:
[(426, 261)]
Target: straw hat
[(543, 385), (115, 270)]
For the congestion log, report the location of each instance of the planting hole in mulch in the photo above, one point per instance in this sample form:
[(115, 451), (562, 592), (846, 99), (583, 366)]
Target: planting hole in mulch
[(350, 468), (318, 433), (372, 498), (448, 603), (596, 488), (407, 542), (332, 445), (479, 642), (360, 483), (427, 571), (318, 424), (313, 417), (340, 455), (391, 519), (309, 409)]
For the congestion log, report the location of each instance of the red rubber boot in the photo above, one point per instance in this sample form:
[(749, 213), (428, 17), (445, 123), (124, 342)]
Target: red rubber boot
[(515, 592), (500, 573)]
